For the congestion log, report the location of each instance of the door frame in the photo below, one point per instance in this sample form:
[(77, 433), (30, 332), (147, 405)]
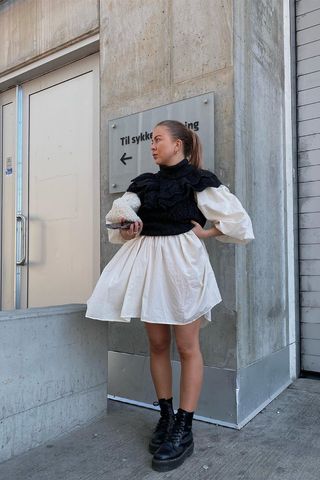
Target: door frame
[(7, 97), (53, 61), (11, 84)]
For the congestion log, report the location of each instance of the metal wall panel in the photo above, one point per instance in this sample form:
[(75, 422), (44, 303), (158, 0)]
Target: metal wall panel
[(130, 137), (130, 381)]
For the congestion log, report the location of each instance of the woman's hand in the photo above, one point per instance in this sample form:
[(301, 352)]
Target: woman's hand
[(203, 233), (131, 232)]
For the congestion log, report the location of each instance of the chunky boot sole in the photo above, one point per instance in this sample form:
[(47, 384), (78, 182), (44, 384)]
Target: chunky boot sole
[(170, 464)]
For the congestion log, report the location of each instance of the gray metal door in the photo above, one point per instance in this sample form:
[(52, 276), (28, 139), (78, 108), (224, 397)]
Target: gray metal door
[(308, 115)]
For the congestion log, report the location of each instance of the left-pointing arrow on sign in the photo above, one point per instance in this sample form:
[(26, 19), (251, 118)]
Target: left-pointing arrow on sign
[(123, 158)]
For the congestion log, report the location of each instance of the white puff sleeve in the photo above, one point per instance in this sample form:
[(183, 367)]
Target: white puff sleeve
[(225, 210), (125, 206)]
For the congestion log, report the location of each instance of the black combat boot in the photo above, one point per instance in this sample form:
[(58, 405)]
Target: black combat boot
[(164, 424), (178, 443)]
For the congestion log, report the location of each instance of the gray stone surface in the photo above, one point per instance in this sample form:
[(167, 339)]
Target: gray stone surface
[(281, 443), (53, 374), (29, 30), (151, 54), (262, 315)]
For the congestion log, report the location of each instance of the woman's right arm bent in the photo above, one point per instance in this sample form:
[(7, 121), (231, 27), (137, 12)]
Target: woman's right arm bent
[(124, 207)]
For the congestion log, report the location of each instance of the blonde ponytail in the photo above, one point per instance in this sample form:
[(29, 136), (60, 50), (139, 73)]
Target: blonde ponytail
[(196, 151)]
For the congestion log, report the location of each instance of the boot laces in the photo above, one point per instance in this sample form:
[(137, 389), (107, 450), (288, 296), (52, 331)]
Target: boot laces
[(165, 421), (177, 431)]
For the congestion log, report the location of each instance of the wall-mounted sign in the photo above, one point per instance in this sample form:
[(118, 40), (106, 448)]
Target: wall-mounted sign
[(130, 137)]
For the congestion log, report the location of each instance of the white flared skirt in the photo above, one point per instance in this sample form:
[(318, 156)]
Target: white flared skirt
[(159, 279)]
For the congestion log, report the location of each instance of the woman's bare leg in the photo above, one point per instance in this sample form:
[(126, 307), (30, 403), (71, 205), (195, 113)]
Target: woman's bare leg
[(159, 336), (188, 345)]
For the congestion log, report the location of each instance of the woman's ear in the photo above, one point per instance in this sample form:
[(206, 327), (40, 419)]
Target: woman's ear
[(178, 144)]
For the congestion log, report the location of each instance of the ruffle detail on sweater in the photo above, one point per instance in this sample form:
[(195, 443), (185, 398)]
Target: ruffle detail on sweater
[(161, 191)]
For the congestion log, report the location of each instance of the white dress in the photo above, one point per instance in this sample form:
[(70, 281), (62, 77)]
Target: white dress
[(167, 279)]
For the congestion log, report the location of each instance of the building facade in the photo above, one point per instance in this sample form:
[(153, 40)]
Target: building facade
[(66, 70)]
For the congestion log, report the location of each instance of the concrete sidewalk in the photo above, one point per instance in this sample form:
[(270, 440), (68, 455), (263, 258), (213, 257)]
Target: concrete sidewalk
[(281, 443)]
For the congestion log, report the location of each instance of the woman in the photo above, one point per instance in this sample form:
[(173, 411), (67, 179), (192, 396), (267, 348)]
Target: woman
[(162, 273)]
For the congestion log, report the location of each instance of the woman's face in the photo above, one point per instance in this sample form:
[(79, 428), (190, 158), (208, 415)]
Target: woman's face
[(165, 150)]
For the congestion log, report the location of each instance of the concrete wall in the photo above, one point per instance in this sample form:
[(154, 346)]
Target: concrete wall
[(53, 375), (30, 29), (236, 50), (263, 345), (152, 54), (260, 180)]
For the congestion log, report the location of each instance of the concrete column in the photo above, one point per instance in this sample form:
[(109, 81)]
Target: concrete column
[(152, 53)]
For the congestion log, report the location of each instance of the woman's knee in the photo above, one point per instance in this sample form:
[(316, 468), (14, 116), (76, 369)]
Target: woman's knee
[(159, 347), (187, 339), (187, 349), (159, 337)]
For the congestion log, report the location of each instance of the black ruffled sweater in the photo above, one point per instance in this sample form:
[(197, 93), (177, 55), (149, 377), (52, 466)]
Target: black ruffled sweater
[(168, 197)]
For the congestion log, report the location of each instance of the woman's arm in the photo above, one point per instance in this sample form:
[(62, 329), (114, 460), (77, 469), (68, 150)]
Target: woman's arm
[(232, 223), (123, 207), (131, 232), (212, 232)]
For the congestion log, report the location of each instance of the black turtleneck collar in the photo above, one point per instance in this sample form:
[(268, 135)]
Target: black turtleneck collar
[(177, 170)]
